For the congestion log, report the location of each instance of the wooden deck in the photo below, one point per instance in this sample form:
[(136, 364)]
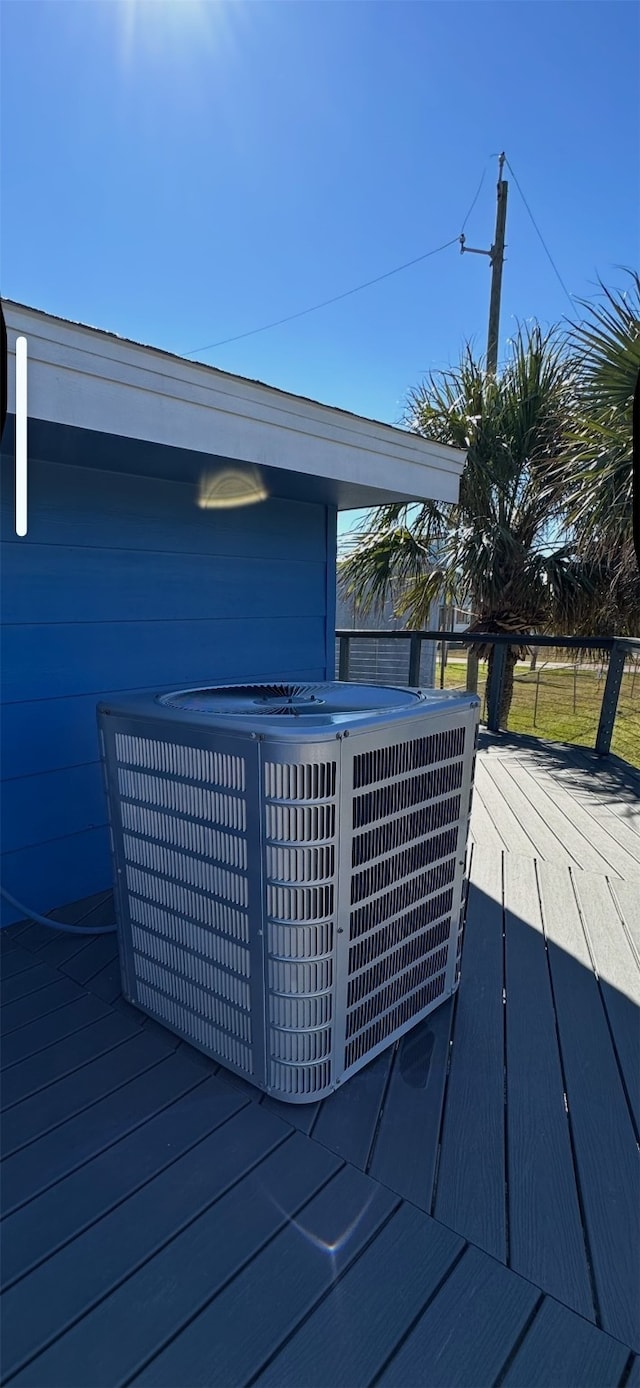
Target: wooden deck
[(463, 1212)]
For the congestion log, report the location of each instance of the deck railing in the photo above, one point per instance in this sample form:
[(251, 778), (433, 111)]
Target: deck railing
[(617, 648)]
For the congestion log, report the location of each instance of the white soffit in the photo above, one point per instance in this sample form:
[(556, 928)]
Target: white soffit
[(93, 380)]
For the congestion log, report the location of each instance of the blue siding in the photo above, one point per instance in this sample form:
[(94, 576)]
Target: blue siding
[(124, 584)]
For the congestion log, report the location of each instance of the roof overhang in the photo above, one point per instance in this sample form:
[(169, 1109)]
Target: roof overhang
[(87, 387)]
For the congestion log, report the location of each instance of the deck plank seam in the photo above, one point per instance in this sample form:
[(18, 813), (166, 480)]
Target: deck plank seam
[(443, 1107), (535, 851), (630, 940), (520, 1339), (92, 977), (134, 1128), (242, 1266), (381, 1107), (457, 1258), (626, 1372), (82, 945), (5, 1068), (134, 1190), (311, 1310), (605, 1010), (572, 1142), (79, 1113), (602, 851), (477, 791), (137, 1267), (48, 983), (66, 1074), (27, 963), (452, 1030), (534, 810), (12, 1030)]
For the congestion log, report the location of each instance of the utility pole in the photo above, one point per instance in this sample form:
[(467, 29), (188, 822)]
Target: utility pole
[(496, 256)]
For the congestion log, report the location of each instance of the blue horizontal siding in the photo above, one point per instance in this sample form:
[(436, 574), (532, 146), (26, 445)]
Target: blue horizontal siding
[(121, 585), (48, 734), (56, 872), (81, 657), (35, 809), (78, 506), (48, 583)]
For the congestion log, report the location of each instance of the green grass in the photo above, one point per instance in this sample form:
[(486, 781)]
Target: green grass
[(567, 707)]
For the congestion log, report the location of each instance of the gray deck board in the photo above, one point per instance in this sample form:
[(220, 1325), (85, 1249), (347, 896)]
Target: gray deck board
[(557, 836), (169, 1224), (605, 1145), (619, 977), (466, 1334), (18, 1014), (347, 1121), (483, 830), (68, 1146), (59, 950), (15, 961), (63, 1058), (470, 1195), (37, 1230), (511, 831), (347, 1345), (300, 1116), (43, 1112), (72, 1281), (619, 860), (627, 896), (561, 1349), (406, 1145), (28, 981), (89, 961), (546, 1239), (282, 1286), (545, 824), (45, 1031), (157, 1302)]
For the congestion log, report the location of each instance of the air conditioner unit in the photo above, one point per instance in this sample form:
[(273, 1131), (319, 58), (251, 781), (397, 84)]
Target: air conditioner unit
[(289, 866)]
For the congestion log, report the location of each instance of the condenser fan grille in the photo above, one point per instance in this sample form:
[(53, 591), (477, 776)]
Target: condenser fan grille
[(276, 700), (285, 700)]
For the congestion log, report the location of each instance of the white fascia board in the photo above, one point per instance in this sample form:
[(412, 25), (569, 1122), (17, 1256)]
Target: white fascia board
[(90, 379)]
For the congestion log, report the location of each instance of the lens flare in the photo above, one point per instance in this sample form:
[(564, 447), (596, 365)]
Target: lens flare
[(232, 486)]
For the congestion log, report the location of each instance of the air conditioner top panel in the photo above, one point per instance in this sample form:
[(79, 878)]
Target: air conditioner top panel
[(293, 710)]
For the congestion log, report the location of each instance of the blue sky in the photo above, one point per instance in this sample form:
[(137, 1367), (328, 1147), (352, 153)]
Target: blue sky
[(180, 171)]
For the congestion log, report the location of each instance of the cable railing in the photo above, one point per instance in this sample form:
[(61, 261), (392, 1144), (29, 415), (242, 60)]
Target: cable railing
[(613, 652)]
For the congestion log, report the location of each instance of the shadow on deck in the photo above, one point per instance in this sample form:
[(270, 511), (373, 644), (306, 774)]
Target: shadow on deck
[(464, 1211)]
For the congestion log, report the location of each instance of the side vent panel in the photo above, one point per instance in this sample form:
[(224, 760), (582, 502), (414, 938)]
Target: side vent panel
[(300, 860), (405, 846), (183, 813)]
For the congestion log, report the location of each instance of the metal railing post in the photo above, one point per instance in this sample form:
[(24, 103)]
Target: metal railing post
[(610, 699), (343, 665), (415, 651), (494, 700)]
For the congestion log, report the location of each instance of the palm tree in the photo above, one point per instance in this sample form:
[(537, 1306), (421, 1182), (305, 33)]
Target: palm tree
[(503, 544), (606, 348)]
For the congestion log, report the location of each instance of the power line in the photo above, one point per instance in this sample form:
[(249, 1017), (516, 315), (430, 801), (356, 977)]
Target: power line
[(290, 317), (477, 195), (325, 302), (540, 236)]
